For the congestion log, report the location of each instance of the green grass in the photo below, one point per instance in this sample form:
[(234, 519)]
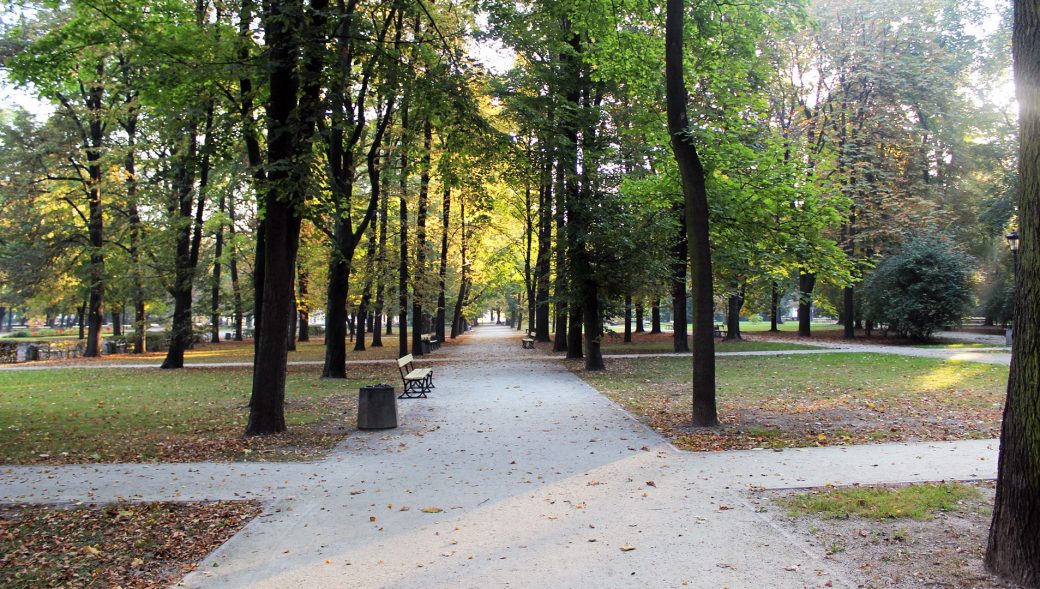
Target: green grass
[(665, 347), (919, 502), (788, 326), (70, 415), (817, 399), (959, 346)]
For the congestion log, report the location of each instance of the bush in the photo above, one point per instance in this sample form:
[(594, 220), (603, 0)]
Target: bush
[(920, 289)]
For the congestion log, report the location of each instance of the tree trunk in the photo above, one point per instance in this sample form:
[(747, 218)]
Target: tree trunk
[(95, 223), (806, 282), (734, 303), (639, 317), (543, 259), (188, 213), (236, 285), (456, 316), (402, 269), (593, 320), (849, 311), (655, 316), (303, 310), (366, 295), (117, 323), (774, 304), (680, 255), (214, 302), (290, 127), (443, 271), (694, 191), (1013, 550), (419, 276), (628, 319)]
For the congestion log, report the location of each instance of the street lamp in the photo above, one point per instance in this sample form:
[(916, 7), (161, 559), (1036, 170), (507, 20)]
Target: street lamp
[(1012, 239)]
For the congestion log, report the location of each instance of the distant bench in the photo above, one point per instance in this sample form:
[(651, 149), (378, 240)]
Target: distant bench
[(430, 342), (720, 330), (417, 381), (527, 342)]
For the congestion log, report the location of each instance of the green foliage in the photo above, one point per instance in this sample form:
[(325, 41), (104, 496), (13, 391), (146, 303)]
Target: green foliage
[(924, 286)]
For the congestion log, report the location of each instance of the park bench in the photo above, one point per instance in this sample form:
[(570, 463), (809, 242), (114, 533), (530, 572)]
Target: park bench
[(527, 342), (417, 381), (720, 330), (430, 342)]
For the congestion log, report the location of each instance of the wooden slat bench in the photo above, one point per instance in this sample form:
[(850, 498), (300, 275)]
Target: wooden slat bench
[(527, 342), (417, 381), (430, 342), (720, 330)]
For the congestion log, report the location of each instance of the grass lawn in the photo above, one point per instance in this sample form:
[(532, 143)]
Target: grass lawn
[(808, 400), (115, 415), (661, 343), (907, 537), (232, 351), (130, 545)]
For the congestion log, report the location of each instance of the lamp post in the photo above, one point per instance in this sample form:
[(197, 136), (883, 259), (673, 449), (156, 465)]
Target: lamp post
[(1012, 239), (1013, 242)]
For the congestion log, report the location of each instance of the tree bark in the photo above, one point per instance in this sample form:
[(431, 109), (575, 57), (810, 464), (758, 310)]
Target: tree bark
[(95, 223), (680, 255), (218, 251), (655, 316), (639, 317), (442, 272), (774, 305), (402, 269), (543, 259), (1013, 550), (628, 319), (290, 126), (734, 303), (696, 200), (419, 276), (806, 282)]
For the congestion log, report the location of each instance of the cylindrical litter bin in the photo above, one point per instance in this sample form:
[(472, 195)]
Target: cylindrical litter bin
[(377, 407)]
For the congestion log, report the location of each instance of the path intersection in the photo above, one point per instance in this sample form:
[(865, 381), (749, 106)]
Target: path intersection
[(514, 473)]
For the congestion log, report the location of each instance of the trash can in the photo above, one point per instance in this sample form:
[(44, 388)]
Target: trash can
[(377, 407), (32, 353)]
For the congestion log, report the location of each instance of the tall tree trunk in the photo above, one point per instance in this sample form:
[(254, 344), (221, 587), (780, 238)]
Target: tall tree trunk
[(366, 295), (236, 285), (442, 272), (377, 336), (704, 408), (543, 259), (593, 320), (639, 316), (628, 319), (303, 309), (117, 322), (734, 303), (806, 282), (655, 316), (419, 276), (95, 223), (189, 213), (218, 251), (402, 269), (1013, 550), (290, 129), (680, 255), (335, 365), (774, 307), (294, 314), (457, 327)]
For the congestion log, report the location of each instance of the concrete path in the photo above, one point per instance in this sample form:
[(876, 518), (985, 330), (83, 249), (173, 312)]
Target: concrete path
[(528, 478), (994, 355)]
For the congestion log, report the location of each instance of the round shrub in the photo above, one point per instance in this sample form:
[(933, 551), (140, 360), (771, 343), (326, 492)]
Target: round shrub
[(923, 287)]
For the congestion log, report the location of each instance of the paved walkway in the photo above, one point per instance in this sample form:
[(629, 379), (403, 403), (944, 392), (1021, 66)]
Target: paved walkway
[(540, 481)]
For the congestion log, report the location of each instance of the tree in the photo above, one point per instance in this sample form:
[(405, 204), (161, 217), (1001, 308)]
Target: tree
[(694, 190), (1013, 549), (920, 289)]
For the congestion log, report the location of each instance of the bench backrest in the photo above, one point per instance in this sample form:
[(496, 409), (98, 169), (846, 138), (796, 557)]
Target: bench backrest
[(404, 361)]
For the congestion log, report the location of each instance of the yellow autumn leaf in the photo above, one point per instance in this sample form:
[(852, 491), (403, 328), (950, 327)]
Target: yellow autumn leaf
[(627, 548), (432, 510)]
